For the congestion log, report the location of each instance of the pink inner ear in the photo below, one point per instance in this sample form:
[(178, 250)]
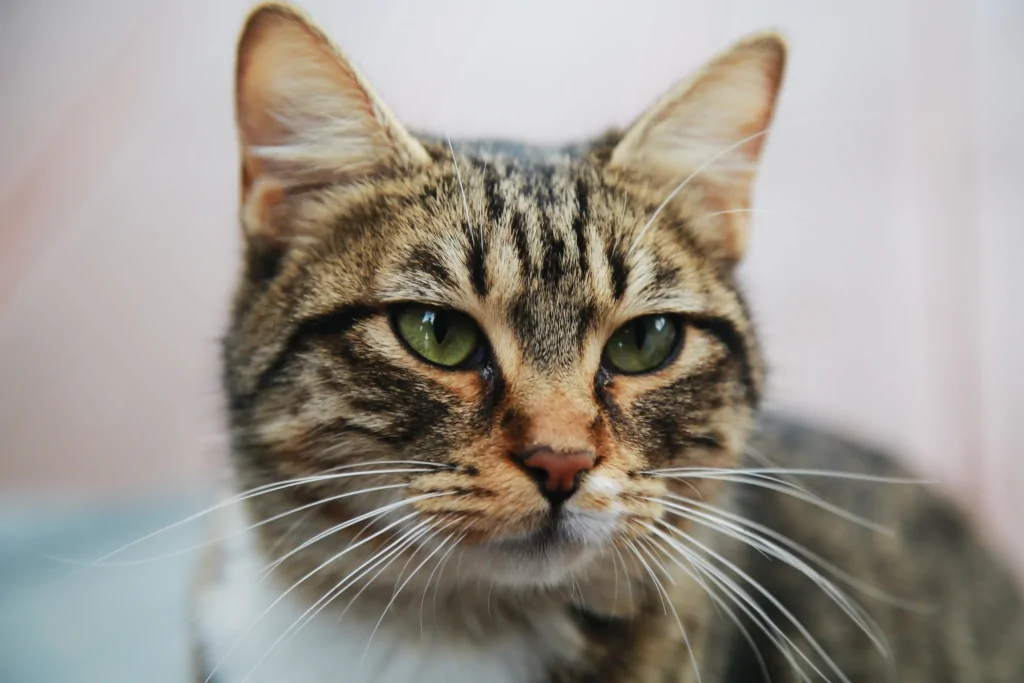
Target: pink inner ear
[(730, 100), (699, 146), (275, 49), (303, 110)]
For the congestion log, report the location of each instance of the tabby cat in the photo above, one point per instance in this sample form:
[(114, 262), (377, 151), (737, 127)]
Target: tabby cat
[(494, 417)]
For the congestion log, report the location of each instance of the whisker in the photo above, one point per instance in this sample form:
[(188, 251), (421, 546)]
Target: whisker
[(615, 594), (380, 561), (695, 577), (855, 612), (305, 578), (298, 624), (490, 589), (381, 565), (292, 528), (440, 562), (753, 583), (444, 565), (679, 622), (743, 600), (412, 556), (346, 524), (233, 500), (658, 563), (650, 572), (465, 201), (799, 472), (720, 604), (403, 584), (767, 462), (794, 492), (625, 571), (852, 581), (239, 532), (574, 589)]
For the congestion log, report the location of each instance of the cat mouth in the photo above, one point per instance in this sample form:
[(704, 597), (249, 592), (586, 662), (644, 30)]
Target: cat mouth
[(545, 556), (551, 537), (562, 537)]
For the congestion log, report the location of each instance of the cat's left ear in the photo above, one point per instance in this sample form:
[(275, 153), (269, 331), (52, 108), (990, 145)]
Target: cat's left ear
[(305, 115), (709, 132)]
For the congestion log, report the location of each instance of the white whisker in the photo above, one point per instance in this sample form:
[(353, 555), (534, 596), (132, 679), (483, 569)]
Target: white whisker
[(615, 594), (379, 561), (301, 621), (854, 611), (302, 580), (346, 524), (403, 584), (743, 600), (668, 601), (852, 581), (625, 571), (781, 486), (658, 563), (292, 528), (753, 583), (239, 532), (829, 474), (246, 495), (696, 575), (437, 567), (657, 584), (465, 201)]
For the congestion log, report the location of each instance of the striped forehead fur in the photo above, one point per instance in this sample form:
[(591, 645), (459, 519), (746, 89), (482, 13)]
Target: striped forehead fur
[(550, 244)]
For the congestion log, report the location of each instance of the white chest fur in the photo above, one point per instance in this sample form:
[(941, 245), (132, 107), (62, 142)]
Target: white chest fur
[(240, 635)]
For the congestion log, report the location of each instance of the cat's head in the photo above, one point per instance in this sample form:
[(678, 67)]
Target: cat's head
[(501, 344)]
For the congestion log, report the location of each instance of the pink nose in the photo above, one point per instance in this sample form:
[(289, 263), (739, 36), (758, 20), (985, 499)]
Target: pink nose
[(557, 473)]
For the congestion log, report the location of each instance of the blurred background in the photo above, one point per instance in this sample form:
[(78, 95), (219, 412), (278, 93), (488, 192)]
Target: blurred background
[(883, 269)]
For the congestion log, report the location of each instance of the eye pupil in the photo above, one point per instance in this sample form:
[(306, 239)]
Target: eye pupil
[(639, 334), (440, 327)]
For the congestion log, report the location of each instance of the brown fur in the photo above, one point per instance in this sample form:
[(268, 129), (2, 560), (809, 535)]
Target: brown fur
[(550, 251)]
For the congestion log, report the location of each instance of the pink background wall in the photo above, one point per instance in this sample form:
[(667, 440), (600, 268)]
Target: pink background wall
[(883, 263)]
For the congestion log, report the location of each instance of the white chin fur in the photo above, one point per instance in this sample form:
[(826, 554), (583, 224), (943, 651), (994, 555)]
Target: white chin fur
[(577, 540), (237, 626)]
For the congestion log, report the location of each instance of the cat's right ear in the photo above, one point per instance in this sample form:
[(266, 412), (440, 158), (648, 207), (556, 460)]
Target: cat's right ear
[(305, 115)]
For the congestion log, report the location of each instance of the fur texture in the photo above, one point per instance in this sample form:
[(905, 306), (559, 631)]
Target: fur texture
[(390, 494)]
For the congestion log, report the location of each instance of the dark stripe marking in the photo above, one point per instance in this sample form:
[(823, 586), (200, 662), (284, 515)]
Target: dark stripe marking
[(727, 333), (329, 324), (492, 193), (584, 322), (554, 258), (579, 225), (430, 262), (475, 265), (619, 272), (518, 230)]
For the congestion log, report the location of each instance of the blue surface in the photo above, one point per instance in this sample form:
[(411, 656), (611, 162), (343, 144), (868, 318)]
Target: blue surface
[(60, 623)]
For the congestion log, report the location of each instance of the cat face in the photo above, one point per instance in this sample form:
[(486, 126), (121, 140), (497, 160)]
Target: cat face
[(490, 343)]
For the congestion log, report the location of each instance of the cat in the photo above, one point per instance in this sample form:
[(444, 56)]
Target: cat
[(494, 413)]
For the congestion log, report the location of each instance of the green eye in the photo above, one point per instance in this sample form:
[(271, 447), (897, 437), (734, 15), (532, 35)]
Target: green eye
[(643, 344), (439, 335)]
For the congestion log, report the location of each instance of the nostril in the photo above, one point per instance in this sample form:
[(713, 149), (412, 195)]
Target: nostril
[(556, 473)]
